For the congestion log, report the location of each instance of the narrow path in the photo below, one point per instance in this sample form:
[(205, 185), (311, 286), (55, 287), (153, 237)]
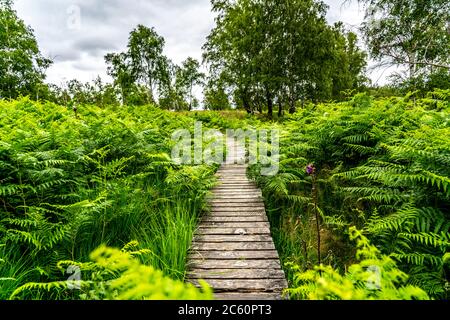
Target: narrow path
[(233, 249)]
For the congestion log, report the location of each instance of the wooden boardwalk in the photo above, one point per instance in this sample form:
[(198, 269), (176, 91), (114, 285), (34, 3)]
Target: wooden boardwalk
[(233, 249)]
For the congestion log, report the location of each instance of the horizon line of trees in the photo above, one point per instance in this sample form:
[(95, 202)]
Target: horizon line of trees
[(261, 56)]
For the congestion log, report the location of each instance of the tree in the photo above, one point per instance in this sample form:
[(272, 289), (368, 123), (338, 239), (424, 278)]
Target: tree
[(142, 72), (189, 76), (350, 62), (411, 33), (145, 49), (119, 68), (216, 97), (172, 90), (280, 51), (22, 64), (232, 47)]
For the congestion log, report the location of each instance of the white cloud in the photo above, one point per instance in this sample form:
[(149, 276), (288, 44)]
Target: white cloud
[(105, 26)]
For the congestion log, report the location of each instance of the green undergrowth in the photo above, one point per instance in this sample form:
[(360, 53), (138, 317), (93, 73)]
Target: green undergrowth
[(70, 183), (382, 166)]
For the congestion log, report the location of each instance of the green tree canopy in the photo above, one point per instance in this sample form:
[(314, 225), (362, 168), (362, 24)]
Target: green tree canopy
[(145, 49), (190, 76), (281, 51), (411, 33), (21, 63)]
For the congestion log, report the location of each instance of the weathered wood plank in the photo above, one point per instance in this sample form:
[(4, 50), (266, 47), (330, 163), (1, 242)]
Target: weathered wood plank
[(256, 210), (237, 193), (242, 184), (247, 186), (224, 224), (249, 211), (232, 173), (232, 231), (238, 255), (232, 246), (236, 186), (236, 274), (240, 296), (237, 205), (235, 183), (252, 285), (233, 264), (236, 189), (237, 196), (232, 238), (241, 200), (238, 219)]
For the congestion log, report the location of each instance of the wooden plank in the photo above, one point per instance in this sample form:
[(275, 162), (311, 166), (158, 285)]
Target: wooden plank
[(233, 246), (247, 213), (240, 296), (235, 186), (237, 196), (237, 205), (232, 231), (240, 176), (236, 199), (236, 189), (232, 238), (234, 167), (252, 285), (238, 219), (238, 255), (218, 208), (233, 264), (236, 274), (250, 202), (237, 193), (245, 182), (226, 224), (232, 173), (232, 188)]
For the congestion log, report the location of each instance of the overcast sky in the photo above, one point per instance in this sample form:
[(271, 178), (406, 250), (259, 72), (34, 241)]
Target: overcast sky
[(77, 34)]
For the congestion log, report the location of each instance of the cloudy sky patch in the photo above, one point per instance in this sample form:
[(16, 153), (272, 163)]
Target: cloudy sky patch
[(77, 34)]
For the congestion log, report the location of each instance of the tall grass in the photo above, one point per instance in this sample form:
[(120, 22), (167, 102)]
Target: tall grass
[(70, 184)]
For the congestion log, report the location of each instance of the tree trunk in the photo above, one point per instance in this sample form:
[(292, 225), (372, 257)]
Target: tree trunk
[(246, 104), (292, 108), (269, 104), (412, 65), (270, 107), (260, 108), (190, 98), (280, 109)]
